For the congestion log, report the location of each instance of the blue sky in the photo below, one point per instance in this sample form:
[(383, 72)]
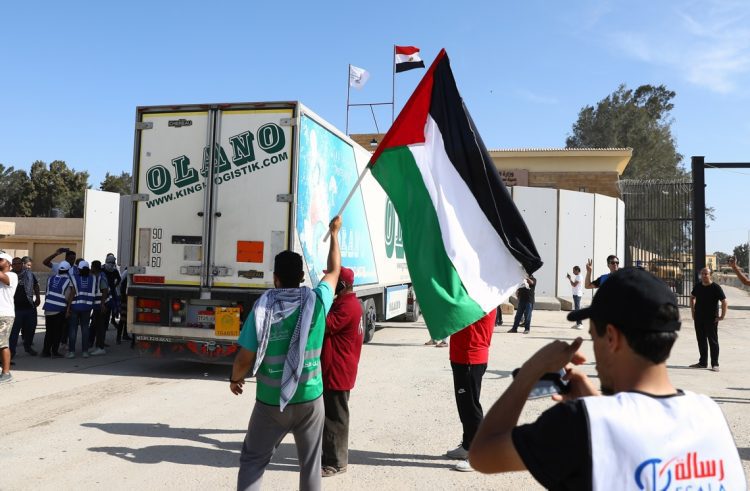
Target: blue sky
[(73, 72)]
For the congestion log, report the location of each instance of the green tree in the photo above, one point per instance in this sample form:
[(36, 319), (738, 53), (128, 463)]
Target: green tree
[(57, 187), (722, 259), (122, 184), (15, 189), (740, 254), (639, 119)]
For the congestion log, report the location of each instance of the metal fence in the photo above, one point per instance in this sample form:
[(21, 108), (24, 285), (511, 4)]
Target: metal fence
[(659, 231)]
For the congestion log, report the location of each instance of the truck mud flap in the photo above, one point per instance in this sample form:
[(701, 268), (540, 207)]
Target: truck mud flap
[(204, 351)]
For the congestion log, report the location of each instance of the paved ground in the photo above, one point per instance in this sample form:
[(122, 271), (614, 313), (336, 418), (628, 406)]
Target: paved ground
[(124, 422)]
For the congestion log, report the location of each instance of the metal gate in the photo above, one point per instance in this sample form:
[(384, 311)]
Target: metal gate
[(659, 231)]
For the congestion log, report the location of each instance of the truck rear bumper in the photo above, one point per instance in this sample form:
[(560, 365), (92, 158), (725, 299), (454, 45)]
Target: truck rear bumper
[(185, 347)]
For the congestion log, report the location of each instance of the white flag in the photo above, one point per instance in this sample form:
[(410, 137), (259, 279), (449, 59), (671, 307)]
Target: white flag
[(358, 77)]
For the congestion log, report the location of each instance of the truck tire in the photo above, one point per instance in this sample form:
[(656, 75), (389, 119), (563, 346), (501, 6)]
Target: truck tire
[(415, 314), (369, 314)]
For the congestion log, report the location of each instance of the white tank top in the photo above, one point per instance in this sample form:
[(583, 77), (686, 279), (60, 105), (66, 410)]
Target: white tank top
[(661, 443)]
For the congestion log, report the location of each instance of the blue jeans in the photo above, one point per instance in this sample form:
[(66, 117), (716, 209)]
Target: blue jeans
[(577, 305), (79, 319), (524, 310), (25, 322)]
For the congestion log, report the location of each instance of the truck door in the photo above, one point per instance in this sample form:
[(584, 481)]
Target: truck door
[(252, 188), (169, 223)]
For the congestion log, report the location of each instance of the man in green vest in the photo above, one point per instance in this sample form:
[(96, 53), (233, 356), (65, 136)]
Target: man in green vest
[(281, 341)]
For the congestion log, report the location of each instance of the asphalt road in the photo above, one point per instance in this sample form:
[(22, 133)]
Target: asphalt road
[(121, 421)]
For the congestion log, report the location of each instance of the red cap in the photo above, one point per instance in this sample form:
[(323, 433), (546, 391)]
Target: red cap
[(346, 275)]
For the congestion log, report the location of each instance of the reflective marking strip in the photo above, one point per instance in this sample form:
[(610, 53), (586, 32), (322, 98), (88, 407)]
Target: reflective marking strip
[(309, 375)]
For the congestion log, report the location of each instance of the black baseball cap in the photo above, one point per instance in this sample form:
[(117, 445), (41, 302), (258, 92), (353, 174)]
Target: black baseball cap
[(632, 299)]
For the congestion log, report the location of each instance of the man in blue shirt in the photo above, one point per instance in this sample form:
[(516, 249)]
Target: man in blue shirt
[(613, 263)]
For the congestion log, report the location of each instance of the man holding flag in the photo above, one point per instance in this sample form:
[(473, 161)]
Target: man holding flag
[(467, 246)]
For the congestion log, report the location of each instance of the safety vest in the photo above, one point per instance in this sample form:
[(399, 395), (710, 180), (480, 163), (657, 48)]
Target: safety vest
[(269, 374), (54, 299), (98, 292), (645, 442), (85, 293)]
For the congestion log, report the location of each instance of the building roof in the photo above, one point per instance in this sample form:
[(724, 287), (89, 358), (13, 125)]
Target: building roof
[(563, 159)]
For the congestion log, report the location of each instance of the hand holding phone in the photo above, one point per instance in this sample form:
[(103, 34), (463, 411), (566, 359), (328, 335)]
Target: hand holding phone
[(551, 383)]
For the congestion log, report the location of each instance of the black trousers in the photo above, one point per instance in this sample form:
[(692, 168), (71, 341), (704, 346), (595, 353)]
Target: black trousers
[(98, 329), (467, 386), (707, 334), (336, 428), (56, 325)]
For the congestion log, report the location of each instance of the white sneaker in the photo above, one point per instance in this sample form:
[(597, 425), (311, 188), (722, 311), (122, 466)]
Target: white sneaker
[(459, 453), (577, 326), (70, 355), (463, 466), (98, 352), (85, 354)]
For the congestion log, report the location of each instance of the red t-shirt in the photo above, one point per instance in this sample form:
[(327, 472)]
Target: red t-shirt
[(471, 345), (342, 343)]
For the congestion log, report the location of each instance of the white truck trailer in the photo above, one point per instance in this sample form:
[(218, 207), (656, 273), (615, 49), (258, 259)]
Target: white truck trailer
[(200, 239)]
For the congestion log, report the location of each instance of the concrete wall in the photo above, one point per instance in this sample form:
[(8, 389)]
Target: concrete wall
[(568, 228), (575, 236), (39, 237), (539, 209)]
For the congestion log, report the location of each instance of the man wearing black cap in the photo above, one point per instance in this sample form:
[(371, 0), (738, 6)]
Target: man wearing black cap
[(640, 432), (339, 361)]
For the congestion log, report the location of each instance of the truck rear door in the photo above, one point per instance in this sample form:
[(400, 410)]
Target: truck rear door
[(169, 223), (252, 180)]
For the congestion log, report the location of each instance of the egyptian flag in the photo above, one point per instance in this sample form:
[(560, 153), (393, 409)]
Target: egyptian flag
[(467, 246), (407, 58)]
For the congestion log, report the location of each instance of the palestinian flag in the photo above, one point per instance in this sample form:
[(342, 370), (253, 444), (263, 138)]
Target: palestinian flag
[(467, 246), (407, 58)]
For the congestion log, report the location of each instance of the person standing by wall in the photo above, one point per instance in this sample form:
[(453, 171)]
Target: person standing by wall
[(342, 346), (8, 284), (613, 263), (576, 282), (26, 299), (704, 308), (525, 305), (469, 353)]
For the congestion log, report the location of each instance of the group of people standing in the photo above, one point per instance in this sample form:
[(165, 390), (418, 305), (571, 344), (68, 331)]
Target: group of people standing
[(79, 297)]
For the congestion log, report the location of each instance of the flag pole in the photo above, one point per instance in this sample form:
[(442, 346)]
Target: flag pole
[(349, 197), (348, 89), (393, 86)]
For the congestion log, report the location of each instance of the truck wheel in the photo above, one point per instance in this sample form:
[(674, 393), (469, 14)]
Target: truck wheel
[(369, 314), (415, 314)]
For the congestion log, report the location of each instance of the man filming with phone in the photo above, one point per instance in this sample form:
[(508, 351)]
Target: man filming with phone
[(639, 432)]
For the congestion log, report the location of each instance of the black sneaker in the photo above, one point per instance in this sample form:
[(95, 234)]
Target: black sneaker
[(31, 352)]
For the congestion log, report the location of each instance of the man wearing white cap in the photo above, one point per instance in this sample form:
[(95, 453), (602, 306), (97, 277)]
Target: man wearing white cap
[(8, 284), (80, 309), (56, 303)]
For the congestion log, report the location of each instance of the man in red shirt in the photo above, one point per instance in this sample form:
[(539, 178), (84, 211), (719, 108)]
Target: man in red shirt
[(342, 346), (469, 352)]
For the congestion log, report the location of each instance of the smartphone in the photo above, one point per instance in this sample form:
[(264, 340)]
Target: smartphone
[(550, 383)]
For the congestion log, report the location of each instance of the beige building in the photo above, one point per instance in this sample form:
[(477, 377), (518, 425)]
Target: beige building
[(590, 170), (40, 237)]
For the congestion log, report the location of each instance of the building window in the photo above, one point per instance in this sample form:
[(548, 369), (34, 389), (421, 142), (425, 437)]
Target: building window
[(582, 189)]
